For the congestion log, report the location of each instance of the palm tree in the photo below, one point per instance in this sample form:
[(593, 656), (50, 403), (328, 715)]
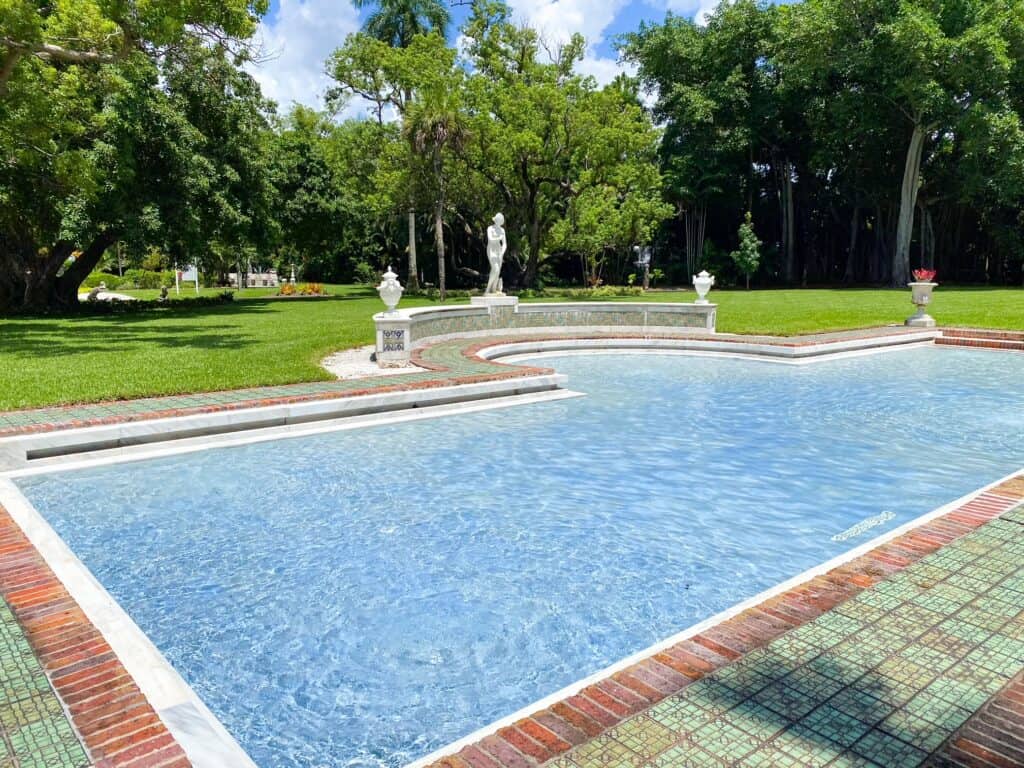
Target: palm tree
[(397, 22), (433, 126)]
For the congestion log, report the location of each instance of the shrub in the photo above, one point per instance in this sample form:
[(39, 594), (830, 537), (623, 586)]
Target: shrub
[(145, 279), (112, 281), (603, 292), (135, 307), (364, 274), (287, 290)]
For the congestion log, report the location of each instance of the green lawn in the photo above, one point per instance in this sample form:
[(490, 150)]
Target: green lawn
[(258, 341)]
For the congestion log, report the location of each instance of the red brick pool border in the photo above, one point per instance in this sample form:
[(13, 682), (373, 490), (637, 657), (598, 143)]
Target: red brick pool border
[(115, 721)]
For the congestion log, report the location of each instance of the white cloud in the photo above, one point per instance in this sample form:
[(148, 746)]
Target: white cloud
[(559, 20), (699, 9), (300, 37)]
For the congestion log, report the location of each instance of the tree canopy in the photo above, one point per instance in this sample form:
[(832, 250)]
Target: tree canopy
[(863, 137)]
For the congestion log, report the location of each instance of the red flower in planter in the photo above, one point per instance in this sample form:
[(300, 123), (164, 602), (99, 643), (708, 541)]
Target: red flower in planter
[(925, 275)]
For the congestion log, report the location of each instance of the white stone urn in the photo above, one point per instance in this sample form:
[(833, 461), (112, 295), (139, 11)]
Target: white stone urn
[(921, 296), (702, 283), (390, 290)]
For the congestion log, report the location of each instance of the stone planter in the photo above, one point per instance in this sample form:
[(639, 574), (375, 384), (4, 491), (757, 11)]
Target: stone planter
[(921, 296)]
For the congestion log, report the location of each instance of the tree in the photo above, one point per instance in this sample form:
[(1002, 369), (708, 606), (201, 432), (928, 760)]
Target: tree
[(95, 147), (926, 63), (435, 125), (715, 93), (614, 199), (748, 256), (91, 33), (542, 136), (397, 23)]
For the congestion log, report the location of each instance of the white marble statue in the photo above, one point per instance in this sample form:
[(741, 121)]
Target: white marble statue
[(497, 245)]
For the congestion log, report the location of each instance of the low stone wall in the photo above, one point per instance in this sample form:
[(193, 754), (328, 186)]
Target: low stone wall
[(401, 332)]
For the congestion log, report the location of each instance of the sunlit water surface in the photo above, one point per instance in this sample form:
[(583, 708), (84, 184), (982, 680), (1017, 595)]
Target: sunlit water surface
[(362, 598)]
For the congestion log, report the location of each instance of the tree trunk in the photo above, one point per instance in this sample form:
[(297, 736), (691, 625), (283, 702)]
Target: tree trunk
[(694, 221), (439, 223), (850, 275), (788, 224), (38, 285), (927, 239), (533, 258), (908, 204), (413, 281)]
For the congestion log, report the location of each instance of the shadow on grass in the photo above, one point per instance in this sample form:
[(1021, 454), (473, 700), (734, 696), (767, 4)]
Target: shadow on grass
[(81, 334)]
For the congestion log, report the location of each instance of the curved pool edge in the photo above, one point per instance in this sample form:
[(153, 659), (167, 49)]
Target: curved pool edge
[(459, 371), (972, 510)]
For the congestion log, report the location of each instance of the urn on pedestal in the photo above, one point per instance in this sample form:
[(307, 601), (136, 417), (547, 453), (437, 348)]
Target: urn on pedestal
[(390, 290), (702, 283), (921, 296)]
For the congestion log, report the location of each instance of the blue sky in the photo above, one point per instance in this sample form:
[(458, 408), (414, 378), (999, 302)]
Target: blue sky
[(300, 34)]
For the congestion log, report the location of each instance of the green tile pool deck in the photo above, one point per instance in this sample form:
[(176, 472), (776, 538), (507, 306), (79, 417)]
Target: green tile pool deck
[(35, 731)]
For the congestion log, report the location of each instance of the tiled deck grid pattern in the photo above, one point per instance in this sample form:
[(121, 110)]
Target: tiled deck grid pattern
[(445, 363), (34, 730), (876, 663)]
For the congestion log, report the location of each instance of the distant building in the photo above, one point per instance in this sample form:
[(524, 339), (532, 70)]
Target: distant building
[(268, 279)]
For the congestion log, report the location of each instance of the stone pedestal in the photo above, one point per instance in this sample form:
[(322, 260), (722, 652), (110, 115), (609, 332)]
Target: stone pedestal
[(921, 296), (393, 341), (494, 300)]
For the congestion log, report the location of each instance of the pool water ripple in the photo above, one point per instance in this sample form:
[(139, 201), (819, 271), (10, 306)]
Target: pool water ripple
[(362, 598)]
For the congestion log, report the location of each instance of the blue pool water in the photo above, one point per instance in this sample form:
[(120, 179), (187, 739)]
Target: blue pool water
[(361, 598)]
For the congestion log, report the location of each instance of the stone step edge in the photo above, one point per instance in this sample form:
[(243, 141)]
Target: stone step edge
[(983, 333), (964, 341)]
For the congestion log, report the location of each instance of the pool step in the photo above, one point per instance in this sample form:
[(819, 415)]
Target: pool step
[(979, 333), (966, 337)]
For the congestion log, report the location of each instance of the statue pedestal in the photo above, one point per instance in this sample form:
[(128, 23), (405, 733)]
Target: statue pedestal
[(494, 300)]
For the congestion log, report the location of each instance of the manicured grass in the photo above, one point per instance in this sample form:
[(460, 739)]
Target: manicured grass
[(258, 341)]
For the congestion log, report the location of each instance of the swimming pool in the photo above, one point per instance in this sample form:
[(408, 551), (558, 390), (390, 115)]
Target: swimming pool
[(362, 598)]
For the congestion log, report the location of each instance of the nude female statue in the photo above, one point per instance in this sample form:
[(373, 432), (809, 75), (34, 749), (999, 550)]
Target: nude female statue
[(497, 245)]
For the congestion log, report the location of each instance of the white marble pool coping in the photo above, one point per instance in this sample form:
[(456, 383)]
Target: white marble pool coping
[(50, 448), (718, 345)]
